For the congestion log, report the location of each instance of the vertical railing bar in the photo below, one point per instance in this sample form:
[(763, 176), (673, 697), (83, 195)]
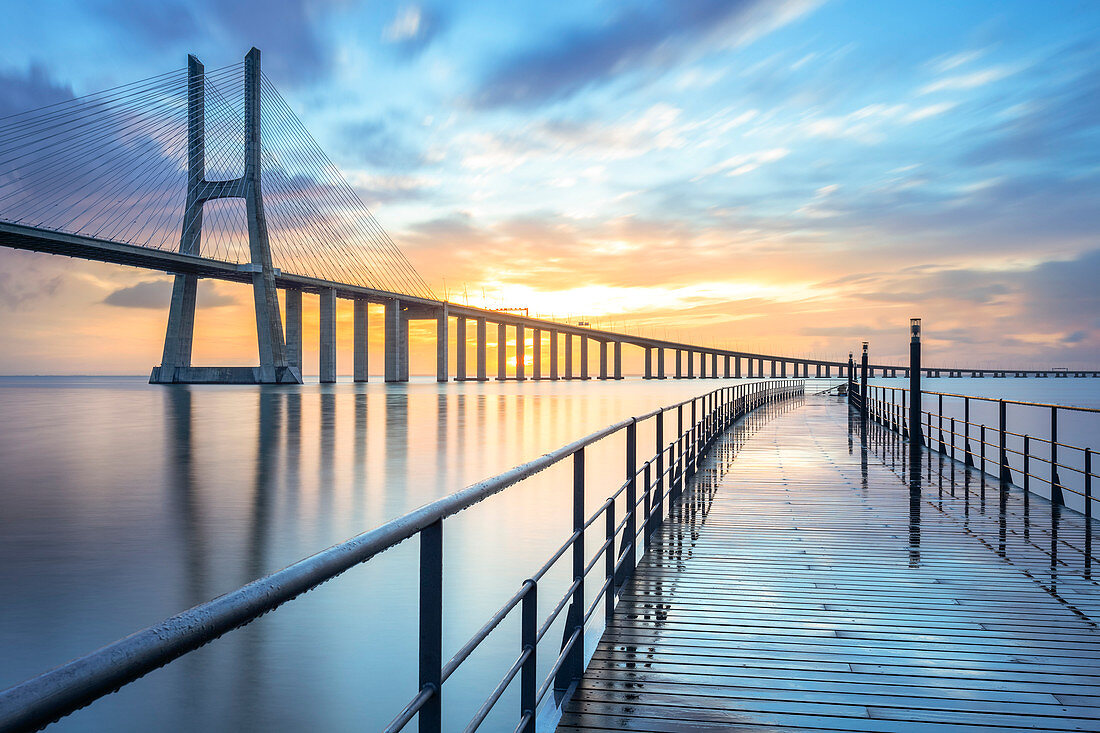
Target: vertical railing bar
[(430, 717)]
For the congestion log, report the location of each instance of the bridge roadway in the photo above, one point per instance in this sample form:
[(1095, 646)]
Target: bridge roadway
[(400, 309), (812, 581)]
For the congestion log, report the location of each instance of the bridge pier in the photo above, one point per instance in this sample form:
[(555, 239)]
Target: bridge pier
[(536, 354), (618, 360), (502, 352), (691, 364), (441, 355), (396, 333), (584, 357), (360, 369), (679, 373), (726, 370), (714, 365), (521, 353), (460, 348), (294, 328), (327, 336), (702, 365), (553, 355), (480, 329), (568, 355), (660, 363), (603, 360), (773, 368), (648, 374), (737, 367)]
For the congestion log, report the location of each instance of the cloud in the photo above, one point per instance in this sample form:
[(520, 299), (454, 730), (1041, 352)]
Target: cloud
[(639, 37), (157, 293), (285, 30), (412, 29), (964, 82), (30, 89)]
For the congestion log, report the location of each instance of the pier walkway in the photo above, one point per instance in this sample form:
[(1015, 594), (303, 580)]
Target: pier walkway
[(812, 581)]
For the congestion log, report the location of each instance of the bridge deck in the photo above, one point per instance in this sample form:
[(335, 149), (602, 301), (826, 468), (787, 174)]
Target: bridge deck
[(813, 584)]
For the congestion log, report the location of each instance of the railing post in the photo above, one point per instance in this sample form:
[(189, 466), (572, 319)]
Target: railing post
[(1002, 440), (528, 682), (1055, 481), (968, 457), (609, 565), (573, 667), (1088, 485), (630, 532), (659, 495), (646, 525), (431, 626)]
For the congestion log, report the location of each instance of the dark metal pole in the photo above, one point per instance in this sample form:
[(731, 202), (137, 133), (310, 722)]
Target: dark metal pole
[(863, 382), (914, 383), (431, 625)]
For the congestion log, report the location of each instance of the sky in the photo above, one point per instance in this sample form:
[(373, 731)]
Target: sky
[(785, 176)]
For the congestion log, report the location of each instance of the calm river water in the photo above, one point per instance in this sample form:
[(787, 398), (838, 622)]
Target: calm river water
[(122, 503)]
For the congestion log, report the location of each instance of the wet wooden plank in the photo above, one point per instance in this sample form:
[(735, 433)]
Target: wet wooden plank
[(813, 580)]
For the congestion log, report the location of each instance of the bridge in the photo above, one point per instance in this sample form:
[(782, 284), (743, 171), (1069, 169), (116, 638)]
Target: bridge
[(211, 175)]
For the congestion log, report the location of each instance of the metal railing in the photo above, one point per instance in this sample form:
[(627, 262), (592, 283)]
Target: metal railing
[(1000, 449), (54, 694)]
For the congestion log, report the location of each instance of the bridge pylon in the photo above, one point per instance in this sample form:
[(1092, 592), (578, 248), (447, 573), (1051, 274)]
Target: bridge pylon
[(175, 366)]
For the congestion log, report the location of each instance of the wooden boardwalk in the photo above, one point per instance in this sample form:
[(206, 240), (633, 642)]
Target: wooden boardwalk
[(812, 581)]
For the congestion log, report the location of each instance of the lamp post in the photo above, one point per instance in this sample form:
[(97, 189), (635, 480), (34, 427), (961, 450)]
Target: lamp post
[(863, 383), (914, 383)]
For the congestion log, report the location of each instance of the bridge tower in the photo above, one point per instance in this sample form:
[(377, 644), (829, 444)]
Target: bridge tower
[(175, 366)]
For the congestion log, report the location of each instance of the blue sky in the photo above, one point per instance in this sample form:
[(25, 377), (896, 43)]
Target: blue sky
[(788, 175)]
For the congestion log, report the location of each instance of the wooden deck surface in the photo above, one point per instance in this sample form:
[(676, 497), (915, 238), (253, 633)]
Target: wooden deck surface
[(812, 581)]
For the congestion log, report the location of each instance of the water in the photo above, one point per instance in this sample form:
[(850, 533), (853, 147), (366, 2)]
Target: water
[(121, 504)]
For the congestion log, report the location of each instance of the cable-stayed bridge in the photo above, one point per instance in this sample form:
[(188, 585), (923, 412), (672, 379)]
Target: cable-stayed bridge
[(210, 174)]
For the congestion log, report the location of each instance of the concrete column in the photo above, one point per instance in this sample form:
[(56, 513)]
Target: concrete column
[(773, 368), (648, 363), (679, 370), (521, 353), (328, 335), (584, 357), (660, 363), (828, 371), (568, 355), (618, 360), (359, 341), (714, 366), (691, 365), (536, 353), (502, 352), (460, 348), (553, 354), (603, 360), (294, 328), (783, 369), (482, 375), (441, 343), (726, 370), (397, 343), (702, 365)]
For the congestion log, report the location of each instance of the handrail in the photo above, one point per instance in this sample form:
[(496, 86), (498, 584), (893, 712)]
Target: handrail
[(887, 405), (41, 700)]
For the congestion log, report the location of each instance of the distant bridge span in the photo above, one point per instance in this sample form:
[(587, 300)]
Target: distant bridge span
[(184, 173)]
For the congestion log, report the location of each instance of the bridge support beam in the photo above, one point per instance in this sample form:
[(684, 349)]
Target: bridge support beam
[(648, 373), (502, 352), (702, 365), (442, 358), (553, 355), (482, 374), (294, 328), (618, 360), (521, 353), (726, 368), (773, 368), (327, 336), (360, 352), (536, 353), (737, 367), (396, 333), (460, 348), (679, 373), (691, 365), (660, 363), (603, 360), (568, 355), (584, 357), (714, 366)]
